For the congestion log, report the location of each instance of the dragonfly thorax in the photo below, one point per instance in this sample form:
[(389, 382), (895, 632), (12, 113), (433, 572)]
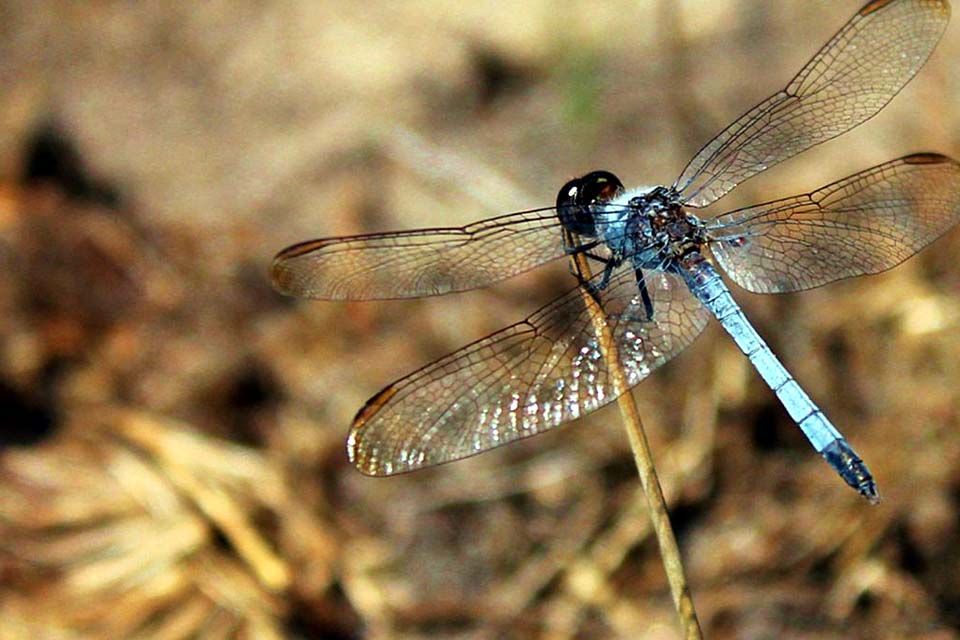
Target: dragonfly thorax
[(648, 225)]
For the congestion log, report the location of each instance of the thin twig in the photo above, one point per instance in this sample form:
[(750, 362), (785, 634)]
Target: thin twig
[(669, 552)]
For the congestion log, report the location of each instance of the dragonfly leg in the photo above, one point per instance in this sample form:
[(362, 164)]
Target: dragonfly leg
[(609, 264), (584, 249), (644, 295), (573, 250), (595, 289), (647, 314)]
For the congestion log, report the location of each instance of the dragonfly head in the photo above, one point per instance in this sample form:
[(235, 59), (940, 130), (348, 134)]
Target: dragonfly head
[(576, 200)]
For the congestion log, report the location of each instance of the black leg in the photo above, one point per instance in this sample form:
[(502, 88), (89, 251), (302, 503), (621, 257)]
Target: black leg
[(597, 257), (573, 250), (584, 250), (595, 289), (644, 294), (609, 264)]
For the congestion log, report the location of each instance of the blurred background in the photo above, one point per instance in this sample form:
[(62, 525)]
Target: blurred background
[(173, 461)]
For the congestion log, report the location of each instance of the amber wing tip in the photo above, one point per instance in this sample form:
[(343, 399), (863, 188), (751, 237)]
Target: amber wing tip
[(278, 275), (927, 158), (372, 406), (357, 450), (876, 5)]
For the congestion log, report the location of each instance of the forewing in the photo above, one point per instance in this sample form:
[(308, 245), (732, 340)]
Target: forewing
[(849, 80), (866, 223), (425, 262), (524, 379)]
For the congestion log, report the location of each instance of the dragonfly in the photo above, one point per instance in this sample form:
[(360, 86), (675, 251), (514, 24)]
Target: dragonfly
[(656, 278)]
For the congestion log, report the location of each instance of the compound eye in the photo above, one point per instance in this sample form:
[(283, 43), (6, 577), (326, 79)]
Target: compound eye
[(576, 199), (569, 194), (599, 187)]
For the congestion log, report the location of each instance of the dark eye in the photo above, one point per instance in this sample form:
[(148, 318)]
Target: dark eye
[(576, 197), (599, 187), (569, 194)]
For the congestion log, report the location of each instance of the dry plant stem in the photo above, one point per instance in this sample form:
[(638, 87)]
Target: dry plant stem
[(272, 571), (669, 552)]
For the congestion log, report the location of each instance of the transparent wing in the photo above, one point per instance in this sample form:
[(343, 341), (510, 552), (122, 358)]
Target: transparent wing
[(849, 80), (424, 262), (524, 379), (865, 223)]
